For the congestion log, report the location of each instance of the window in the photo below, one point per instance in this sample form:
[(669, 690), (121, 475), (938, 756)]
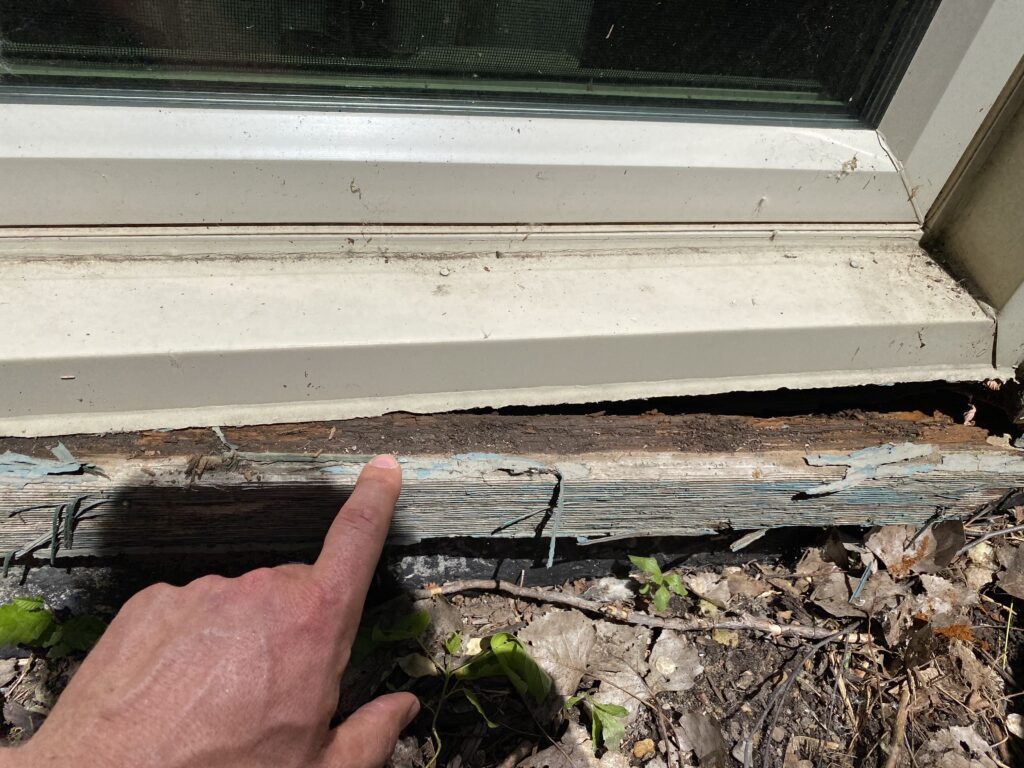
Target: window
[(493, 112), (837, 58), (244, 211)]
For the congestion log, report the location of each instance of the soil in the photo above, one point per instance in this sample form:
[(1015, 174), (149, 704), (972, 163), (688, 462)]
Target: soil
[(933, 618)]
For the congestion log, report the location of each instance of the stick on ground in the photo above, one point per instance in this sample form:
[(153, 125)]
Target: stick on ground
[(612, 613)]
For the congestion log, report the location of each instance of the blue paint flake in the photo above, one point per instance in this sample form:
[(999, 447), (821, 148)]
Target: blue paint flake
[(18, 467)]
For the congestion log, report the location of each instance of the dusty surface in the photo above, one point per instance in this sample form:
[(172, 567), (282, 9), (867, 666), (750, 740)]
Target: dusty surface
[(932, 640)]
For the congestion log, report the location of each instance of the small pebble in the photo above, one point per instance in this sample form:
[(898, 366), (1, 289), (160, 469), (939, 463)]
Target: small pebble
[(778, 734), (445, 272), (644, 749)]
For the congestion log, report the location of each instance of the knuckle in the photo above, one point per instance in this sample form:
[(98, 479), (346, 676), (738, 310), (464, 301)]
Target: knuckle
[(361, 518), (210, 581), (148, 597), (156, 592), (257, 580)]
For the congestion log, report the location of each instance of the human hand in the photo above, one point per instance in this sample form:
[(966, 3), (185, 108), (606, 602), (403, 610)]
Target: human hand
[(236, 672)]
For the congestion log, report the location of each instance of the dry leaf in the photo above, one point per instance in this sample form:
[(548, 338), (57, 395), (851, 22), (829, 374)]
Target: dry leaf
[(879, 593), (741, 584), (407, 754), (618, 663), (957, 747), (574, 750), (561, 642), (674, 664), (418, 665), (709, 586), (944, 603), (611, 590), (905, 549), (812, 564), (702, 735), (1011, 580)]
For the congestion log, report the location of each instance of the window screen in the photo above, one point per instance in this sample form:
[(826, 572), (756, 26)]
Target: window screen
[(819, 57)]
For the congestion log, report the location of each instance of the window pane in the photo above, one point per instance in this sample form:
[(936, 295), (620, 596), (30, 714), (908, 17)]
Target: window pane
[(816, 57)]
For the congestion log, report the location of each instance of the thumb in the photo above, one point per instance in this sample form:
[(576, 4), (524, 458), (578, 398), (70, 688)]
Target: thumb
[(367, 739)]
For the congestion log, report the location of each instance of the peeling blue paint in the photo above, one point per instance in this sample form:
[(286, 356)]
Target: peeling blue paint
[(24, 469), (878, 462)]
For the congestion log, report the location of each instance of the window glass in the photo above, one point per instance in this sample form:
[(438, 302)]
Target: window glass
[(806, 57)]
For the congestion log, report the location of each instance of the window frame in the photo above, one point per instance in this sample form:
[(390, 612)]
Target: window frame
[(152, 164)]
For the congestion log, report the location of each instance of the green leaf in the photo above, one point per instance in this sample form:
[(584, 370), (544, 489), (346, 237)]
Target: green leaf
[(607, 725), (76, 635), (483, 665), (572, 701), (408, 627), (472, 699), (25, 621), (454, 644), (648, 565), (661, 598), (521, 670), (645, 589), (675, 583)]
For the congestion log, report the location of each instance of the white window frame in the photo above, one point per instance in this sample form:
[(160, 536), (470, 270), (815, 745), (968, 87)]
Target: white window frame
[(83, 164), (362, 262)]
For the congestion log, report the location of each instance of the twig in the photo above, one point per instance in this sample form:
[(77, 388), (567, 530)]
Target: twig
[(1006, 637), (899, 729), (624, 616), (990, 535), (992, 506), (841, 685)]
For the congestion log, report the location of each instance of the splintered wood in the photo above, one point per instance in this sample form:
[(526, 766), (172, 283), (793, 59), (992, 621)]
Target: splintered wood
[(588, 478)]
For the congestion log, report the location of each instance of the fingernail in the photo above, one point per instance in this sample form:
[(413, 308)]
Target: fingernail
[(384, 461)]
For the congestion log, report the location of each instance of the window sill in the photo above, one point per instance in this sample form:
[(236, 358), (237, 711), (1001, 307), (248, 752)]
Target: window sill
[(332, 325)]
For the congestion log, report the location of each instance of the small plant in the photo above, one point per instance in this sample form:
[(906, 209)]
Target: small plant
[(607, 721), (410, 626), (503, 656), (661, 586), (26, 621)]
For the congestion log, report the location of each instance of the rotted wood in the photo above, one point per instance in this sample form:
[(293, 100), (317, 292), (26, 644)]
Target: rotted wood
[(588, 478)]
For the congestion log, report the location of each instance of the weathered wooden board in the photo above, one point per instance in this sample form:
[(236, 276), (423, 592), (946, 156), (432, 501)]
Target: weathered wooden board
[(454, 433), (637, 476)]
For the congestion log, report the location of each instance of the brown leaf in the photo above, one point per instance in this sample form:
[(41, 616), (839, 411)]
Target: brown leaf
[(618, 662), (904, 549), (709, 586), (561, 642), (742, 584), (702, 735), (956, 747), (812, 564), (1011, 580), (833, 593)]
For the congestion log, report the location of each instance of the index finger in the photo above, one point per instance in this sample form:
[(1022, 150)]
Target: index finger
[(354, 542)]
